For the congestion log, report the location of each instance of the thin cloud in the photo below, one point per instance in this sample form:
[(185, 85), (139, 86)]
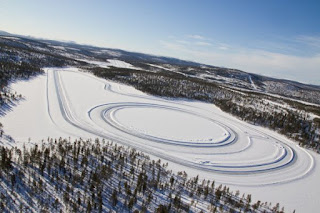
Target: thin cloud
[(172, 46), (182, 42), (223, 48), (303, 45), (298, 68), (313, 41), (202, 43), (197, 37), (171, 36)]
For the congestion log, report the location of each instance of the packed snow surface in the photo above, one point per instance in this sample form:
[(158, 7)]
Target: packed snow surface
[(111, 63), (196, 137), (161, 67)]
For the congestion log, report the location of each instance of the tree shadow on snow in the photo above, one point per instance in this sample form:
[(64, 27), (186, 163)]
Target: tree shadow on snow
[(8, 106)]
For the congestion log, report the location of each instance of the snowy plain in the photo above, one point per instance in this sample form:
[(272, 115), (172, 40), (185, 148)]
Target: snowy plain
[(110, 63), (192, 136)]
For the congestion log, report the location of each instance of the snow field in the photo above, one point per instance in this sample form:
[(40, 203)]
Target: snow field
[(111, 63), (192, 136)]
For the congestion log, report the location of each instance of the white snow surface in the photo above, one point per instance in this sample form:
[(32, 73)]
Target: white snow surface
[(252, 83), (161, 67), (192, 136), (110, 63), (58, 47), (120, 64)]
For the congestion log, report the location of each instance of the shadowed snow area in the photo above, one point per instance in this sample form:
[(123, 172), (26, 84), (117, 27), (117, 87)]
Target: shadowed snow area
[(195, 137)]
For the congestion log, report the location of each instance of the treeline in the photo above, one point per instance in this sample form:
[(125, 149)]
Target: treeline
[(291, 121), (10, 71), (20, 61), (100, 176), (166, 84)]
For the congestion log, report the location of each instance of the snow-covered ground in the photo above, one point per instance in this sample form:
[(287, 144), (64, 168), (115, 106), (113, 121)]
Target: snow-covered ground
[(111, 63), (195, 137), (252, 83), (161, 67)]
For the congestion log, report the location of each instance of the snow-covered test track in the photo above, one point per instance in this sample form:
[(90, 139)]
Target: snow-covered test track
[(191, 135), (159, 127)]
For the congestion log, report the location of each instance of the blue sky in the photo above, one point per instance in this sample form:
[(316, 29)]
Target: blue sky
[(278, 38)]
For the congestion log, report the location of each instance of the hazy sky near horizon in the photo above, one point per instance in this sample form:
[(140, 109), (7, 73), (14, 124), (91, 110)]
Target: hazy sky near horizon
[(279, 38)]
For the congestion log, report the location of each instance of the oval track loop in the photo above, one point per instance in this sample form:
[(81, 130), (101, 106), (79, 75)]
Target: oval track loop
[(285, 157), (107, 112)]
